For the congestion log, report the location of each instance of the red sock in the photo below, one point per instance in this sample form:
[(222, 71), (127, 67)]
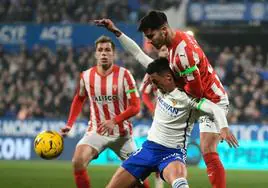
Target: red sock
[(146, 183), (215, 170), (81, 179)]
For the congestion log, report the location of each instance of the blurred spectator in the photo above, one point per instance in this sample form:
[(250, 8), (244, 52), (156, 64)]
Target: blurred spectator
[(70, 11), (240, 70), (42, 83)]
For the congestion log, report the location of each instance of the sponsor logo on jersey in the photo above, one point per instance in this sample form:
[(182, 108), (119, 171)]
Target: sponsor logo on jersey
[(105, 98), (174, 102), (172, 111)]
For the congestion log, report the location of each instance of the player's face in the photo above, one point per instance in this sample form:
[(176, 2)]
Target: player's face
[(156, 37), (104, 54), (163, 51), (165, 83)]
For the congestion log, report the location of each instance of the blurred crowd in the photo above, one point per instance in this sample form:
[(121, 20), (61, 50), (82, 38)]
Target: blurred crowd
[(243, 71), (78, 11), (42, 83)]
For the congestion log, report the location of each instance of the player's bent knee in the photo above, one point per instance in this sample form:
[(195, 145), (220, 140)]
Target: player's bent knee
[(174, 170), (122, 178)]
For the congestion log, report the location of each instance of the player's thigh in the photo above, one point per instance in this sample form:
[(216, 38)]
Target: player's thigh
[(122, 178), (207, 123), (209, 133), (83, 155), (124, 147), (90, 146), (209, 142), (174, 170)]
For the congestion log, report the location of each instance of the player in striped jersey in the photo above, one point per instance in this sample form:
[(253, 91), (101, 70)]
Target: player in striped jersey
[(165, 148), (196, 77), (113, 99)]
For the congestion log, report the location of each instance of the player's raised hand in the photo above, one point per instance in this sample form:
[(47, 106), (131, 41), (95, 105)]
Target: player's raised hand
[(106, 126), (228, 136), (64, 131), (109, 25)]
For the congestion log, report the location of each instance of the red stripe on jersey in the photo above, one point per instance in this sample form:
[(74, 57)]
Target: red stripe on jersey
[(131, 86), (145, 86), (92, 93)]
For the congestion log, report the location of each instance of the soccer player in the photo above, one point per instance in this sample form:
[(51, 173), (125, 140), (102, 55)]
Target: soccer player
[(165, 148), (148, 93), (196, 77), (113, 99)]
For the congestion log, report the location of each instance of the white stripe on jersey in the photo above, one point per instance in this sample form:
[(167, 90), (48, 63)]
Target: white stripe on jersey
[(120, 88)]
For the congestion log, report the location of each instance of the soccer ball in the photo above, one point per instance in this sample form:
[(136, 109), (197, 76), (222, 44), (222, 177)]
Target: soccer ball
[(48, 144)]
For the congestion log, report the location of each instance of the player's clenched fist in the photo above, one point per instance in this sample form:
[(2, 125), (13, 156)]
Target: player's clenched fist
[(64, 131), (108, 24)]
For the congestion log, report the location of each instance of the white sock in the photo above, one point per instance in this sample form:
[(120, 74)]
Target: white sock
[(180, 183)]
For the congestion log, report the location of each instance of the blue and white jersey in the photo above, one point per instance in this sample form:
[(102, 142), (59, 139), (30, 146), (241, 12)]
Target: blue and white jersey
[(174, 118)]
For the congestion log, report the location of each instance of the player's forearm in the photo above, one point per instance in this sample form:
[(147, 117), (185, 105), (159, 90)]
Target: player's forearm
[(76, 108), (148, 102), (132, 110), (213, 110), (132, 47), (116, 31)]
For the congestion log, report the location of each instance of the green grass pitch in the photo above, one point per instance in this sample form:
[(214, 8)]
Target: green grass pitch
[(58, 174)]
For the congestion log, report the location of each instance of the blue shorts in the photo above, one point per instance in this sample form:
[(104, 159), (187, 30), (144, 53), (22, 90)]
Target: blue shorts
[(152, 157)]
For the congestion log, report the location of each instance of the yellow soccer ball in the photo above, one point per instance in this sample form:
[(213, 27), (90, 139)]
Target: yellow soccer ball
[(48, 144)]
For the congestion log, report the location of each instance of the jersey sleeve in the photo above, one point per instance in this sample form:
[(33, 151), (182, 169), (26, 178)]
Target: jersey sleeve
[(189, 56), (132, 47), (213, 110), (146, 90), (77, 103), (132, 95)]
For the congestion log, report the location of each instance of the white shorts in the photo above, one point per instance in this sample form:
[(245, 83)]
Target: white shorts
[(207, 124), (122, 146)]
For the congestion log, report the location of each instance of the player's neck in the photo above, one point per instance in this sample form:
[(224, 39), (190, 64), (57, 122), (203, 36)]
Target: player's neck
[(171, 37), (103, 70)]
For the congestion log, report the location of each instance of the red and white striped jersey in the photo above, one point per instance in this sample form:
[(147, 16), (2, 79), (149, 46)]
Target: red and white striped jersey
[(149, 93), (189, 61), (109, 96), (147, 86)]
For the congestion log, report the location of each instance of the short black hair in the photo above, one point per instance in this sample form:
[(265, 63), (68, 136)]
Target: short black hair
[(159, 66), (153, 20)]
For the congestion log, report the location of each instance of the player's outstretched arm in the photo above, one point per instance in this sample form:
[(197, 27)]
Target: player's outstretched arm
[(128, 44), (218, 114), (76, 108)]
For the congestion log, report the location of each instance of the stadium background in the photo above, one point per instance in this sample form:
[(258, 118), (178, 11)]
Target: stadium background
[(44, 44)]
